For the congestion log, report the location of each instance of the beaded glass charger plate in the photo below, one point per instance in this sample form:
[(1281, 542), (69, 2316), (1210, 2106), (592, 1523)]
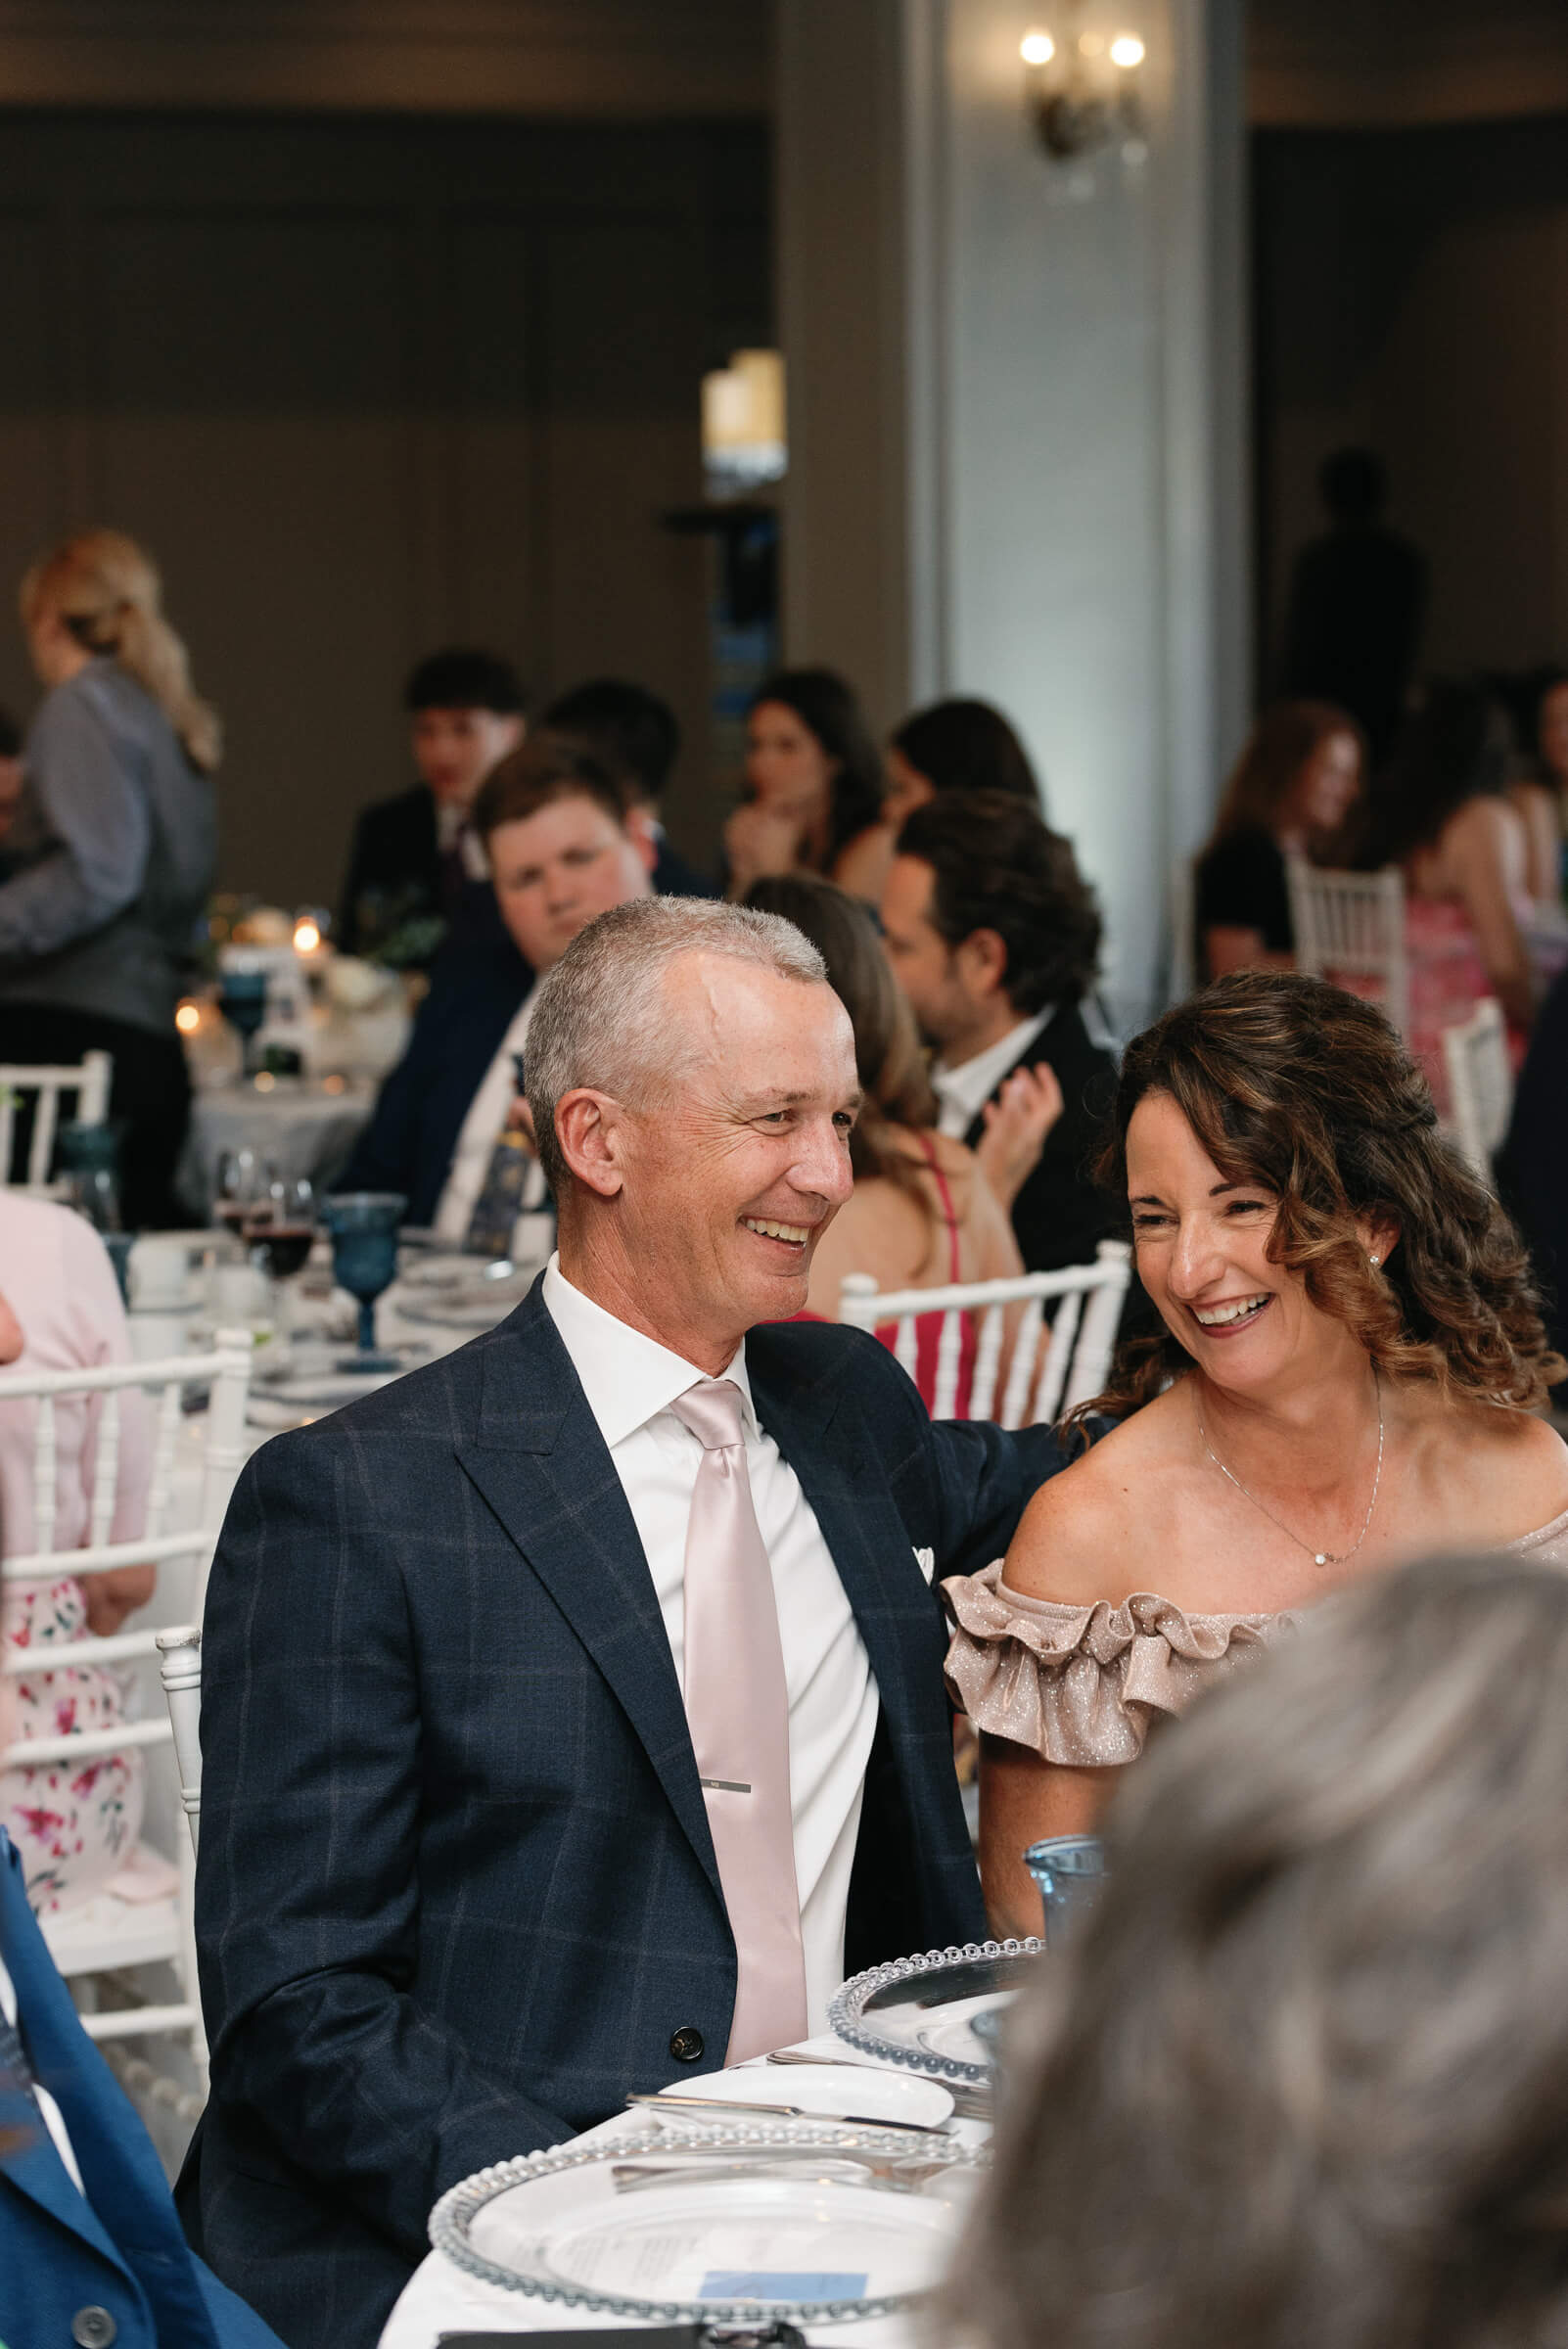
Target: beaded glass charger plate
[(919, 2011), (731, 2224)]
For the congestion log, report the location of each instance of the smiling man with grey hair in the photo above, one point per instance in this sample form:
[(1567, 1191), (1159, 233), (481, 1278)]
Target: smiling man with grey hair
[(572, 1714)]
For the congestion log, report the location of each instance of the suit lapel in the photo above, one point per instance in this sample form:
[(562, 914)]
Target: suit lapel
[(543, 1468), (1038, 1050)]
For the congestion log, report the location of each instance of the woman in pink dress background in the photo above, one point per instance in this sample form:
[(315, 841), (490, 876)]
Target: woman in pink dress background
[(1443, 812), (75, 1825)]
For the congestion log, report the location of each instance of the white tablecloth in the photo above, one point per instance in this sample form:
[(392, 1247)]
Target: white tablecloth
[(441, 2298), (296, 1124)]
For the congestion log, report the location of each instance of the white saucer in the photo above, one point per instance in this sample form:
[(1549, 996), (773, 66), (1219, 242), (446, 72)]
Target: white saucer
[(825, 2091)]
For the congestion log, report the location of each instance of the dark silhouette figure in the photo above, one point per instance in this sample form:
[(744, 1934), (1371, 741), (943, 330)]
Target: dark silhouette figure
[(1358, 604)]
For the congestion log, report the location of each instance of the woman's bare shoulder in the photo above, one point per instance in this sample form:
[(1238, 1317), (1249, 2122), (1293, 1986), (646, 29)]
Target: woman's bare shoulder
[(1527, 1461), (1085, 1530), (1507, 1470)]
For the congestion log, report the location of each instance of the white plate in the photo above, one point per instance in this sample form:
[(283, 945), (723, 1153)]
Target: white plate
[(477, 1304), (826, 2090), (295, 1401), (750, 2221)]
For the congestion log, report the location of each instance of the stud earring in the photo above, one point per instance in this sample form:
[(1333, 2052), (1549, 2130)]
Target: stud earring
[(1374, 1262)]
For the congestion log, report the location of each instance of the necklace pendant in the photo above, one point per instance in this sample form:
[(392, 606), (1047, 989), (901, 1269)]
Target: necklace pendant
[(1320, 1559)]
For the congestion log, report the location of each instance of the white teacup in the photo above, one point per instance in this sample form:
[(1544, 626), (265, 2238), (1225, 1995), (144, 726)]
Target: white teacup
[(160, 1273)]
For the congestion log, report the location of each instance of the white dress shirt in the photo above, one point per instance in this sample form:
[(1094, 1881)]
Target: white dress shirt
[(49, 2112), (963, 1092), (480, 1132), (629, 1382)]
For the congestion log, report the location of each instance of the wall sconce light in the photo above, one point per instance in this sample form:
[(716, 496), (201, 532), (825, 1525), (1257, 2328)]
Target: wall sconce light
[(1083, 90)]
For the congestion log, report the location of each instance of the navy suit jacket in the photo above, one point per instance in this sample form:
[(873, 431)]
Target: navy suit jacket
[(1059, 1218), (121, 2250), (457, 1893), (396, 849)]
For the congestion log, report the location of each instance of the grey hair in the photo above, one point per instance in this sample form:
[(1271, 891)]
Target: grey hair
[(599, 1019), (1304, 2076)]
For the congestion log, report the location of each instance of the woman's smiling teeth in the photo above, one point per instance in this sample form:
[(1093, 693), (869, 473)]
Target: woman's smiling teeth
[(1226, 1315), (796, 1234)]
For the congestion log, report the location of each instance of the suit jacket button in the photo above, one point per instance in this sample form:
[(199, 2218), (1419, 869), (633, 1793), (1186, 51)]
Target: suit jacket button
[(92, 2328), (686, 2043)]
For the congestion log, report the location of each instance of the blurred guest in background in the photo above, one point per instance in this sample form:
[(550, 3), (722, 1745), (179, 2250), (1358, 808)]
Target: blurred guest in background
[(1348, 1366), (10, 775), (1304, 2076), (1552, 729), (90, 2246), (74, 1825), (1442, 811), (1533, 1164), (561, 848), (1289, 793), (955, 745), (1358, 604), (1546, 742), (411, 855), (814, 779), (636, 735), (922, 1212), (993, 935), (112, 850)]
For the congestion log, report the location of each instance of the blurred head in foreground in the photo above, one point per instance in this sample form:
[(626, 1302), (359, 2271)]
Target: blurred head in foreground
[(1305, 2078)]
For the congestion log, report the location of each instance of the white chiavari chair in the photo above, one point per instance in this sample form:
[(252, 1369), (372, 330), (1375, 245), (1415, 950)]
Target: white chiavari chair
[(1475, 1053), (1349, 928), (107, 1936), (89, 1084), (1043, 1380)]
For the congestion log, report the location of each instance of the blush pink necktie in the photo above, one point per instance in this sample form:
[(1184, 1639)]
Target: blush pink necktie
[(737, 1708)]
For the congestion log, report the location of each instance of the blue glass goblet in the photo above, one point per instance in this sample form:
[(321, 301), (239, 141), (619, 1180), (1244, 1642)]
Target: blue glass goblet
[(364, 1261), (242, 1001), (1070, 1870)]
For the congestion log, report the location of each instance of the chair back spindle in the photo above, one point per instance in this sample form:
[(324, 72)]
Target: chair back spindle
[(1039, 1386)]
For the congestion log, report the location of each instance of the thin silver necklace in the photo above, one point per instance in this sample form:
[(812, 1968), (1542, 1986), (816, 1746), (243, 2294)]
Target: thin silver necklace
[(1320, 1557)]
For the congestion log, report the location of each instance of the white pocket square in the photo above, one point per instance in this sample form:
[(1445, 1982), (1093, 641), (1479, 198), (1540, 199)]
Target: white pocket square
[(926, 1560)]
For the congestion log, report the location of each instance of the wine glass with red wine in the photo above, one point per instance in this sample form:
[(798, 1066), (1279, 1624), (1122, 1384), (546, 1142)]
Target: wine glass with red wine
[(280, 1232), (239, 1190)]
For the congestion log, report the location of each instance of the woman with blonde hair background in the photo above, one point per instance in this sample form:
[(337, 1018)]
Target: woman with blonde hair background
[(112, 846)]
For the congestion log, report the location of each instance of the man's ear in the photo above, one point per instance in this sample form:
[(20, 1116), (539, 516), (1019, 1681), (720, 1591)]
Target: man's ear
[(642, 836), (983, 961), (591, 1133)]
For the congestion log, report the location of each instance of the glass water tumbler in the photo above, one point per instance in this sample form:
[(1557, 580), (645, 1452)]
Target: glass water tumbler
[(1070, 1870)]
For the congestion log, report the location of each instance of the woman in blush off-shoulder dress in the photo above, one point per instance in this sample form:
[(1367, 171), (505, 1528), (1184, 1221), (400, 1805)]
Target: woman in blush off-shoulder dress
[(1350, 1361)]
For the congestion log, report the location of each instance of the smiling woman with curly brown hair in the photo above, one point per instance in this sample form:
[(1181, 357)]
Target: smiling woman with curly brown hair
[(1350, 1359)]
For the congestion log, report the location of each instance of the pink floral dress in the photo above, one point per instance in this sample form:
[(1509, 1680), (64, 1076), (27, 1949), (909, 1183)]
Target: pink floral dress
[(75, 1825)]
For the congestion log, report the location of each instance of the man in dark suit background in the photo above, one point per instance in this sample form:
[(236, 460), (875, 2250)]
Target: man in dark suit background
[(460, 1885), (1358, 604), (993, 935), (412, 855)]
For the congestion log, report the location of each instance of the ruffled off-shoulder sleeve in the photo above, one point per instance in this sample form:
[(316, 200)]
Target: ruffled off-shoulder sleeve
[(1085, 1685)]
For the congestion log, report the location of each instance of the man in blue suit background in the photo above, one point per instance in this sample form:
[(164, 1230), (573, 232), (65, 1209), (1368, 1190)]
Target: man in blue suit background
[(462, 1885), (90, 2249)]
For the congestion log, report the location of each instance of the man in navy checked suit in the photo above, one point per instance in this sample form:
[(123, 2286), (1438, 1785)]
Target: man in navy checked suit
[(457, 1892)]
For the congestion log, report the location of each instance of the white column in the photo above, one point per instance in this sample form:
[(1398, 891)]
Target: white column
[(1060, 385)]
